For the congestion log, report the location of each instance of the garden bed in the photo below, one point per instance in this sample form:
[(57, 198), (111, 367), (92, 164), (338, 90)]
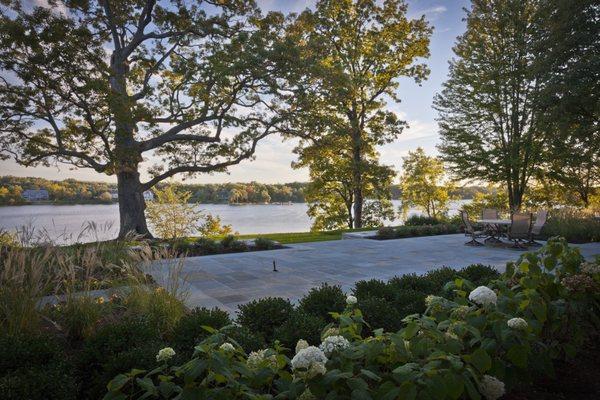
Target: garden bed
[(407, 231), (195, 247)]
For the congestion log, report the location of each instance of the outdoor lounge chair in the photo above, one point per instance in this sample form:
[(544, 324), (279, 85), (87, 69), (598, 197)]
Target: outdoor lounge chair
[(536, 227), (470, 230), (519, 230)]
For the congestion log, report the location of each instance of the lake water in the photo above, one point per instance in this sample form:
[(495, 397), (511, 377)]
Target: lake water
[(64, 223)]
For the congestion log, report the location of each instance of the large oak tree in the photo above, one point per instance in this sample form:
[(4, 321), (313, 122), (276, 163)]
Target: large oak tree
[(105, 84), (349, 56)]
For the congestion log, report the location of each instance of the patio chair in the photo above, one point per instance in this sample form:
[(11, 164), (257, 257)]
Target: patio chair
[(489, 213), (536, 227), (470, 230), (519, 230)]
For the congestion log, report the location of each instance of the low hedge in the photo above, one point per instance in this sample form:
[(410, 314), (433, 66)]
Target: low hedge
[(404, 231), (475, 342), (576, 229)]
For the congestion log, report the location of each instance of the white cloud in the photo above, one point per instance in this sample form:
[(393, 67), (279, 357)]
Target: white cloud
[(432, 13)]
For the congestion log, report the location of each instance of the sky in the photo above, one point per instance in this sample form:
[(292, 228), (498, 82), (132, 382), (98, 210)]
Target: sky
[(274, 156)]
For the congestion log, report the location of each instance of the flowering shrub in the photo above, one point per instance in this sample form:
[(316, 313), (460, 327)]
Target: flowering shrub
[(476, 343)]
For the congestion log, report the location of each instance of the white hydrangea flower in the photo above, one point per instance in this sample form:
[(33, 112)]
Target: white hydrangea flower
[(165, 354), (255, 358), (590, 268), (460, 312), (517, 323), (491, 388), (302, 344), (316, 369), (333, 343), (351, 300), (429, 300), (227, 347), (307, 357), (483, 296)]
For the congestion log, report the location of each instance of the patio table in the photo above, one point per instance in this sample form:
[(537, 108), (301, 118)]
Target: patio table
[(494, 221), (495, 228)]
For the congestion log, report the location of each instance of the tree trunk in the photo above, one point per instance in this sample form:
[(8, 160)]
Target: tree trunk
[(131, 205), (127, 154), (357, 180)]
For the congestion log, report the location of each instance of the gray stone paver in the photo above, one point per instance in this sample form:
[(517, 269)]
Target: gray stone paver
[(227, 280)]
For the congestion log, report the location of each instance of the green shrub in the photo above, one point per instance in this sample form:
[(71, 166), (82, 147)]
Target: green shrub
[(322, 300), (418, 220), (380, 313), (409, 301), (206, 246), (573, 225), (479, 274), (439, 277), (386, 232), (115, 348), (373, 288), (542, 309), (265, 315), (248, 340), (262, 243), (231, 244), (188, 332), (34, 367), (300, 325), (414, 282), (417, 230)]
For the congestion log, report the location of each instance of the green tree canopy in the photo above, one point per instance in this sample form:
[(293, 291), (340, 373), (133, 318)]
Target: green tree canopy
[(348, 57), (104, 84), (568, 64), (422, 184), (488, 120), (330, 194)]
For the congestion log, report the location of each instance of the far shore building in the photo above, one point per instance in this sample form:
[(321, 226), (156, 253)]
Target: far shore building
[(35, 194), (148, 195)]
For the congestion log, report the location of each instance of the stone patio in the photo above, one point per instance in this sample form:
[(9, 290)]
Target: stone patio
[(227, 280)]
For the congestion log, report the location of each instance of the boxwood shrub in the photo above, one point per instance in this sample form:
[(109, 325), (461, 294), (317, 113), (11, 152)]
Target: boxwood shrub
[(263, 316), (323, 300), (188, 332)]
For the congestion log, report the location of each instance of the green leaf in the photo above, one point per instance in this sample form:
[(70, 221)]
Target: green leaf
[(405, 369), (117, 382), (358, 394), (357, 384), (517, 354), (370, 375), (454, 385), (411, 330), (471, 390), (408, 391), (480, 360), (147, 385)]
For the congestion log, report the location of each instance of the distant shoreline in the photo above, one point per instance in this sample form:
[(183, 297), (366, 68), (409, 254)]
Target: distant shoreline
[(91, 202)]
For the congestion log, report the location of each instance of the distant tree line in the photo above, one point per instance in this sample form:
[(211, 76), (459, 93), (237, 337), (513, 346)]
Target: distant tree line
[(74, 191)]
